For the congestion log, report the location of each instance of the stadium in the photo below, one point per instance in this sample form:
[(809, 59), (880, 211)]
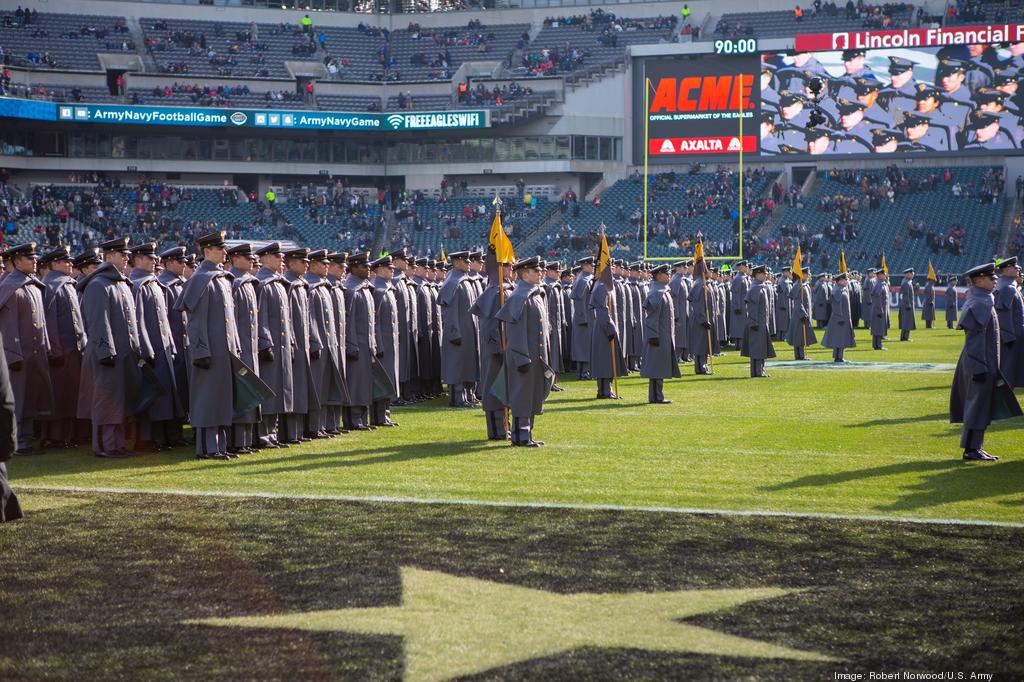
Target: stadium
[(791, 221)]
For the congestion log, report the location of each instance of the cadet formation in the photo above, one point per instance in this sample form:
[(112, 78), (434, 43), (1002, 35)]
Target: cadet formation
[(127, 344)]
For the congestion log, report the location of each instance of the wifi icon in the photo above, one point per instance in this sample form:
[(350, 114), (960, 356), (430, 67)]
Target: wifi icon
[(396, 120)]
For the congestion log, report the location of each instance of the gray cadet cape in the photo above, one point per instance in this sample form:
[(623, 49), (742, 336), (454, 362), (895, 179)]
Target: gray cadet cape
[(486, 308), (556, 323), (866, 290), (459, 333), (659, 326), (388, 330), (172, 285), (928, 302), (108, 310), (702, 312), (839, 332), (907, 319), (426, 329), (582, 317), (338, 304), (741, 284), (1010, 309), (307, 340), (820, 292), (526, 331), (250, 335), (951, 303), (637, 294), (405, 304), (10, 510), (326, 369), (756, 342), (275, 333), (151, 315), (604, 330), (679, 287), (801, 329), (26, 341), (67, 341), (360, 340), (975, 404), (783, 306), (213, 334)]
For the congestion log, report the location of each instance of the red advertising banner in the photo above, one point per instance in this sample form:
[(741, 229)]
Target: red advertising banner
[(702, 145), (910, 37)]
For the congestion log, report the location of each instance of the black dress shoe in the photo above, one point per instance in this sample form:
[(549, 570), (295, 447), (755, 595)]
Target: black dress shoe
[(388, 423), (363, 427), (989, 454), (978, 456), (528, 444), (661, 402), (304, 439), (538, 443), (24, 452)]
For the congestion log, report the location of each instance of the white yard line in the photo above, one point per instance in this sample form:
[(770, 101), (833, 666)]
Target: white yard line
[(526, 505)]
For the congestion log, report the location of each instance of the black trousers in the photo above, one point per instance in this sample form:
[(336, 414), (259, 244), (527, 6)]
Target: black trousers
[(971, 439), (655, 390), (10, 510)]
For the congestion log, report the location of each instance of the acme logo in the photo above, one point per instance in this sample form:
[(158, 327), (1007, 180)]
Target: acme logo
[(703, 93)]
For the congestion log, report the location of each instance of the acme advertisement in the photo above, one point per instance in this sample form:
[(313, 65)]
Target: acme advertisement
[(697, 105)]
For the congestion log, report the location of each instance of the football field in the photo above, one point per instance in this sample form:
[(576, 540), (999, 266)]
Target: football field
[(814, 524)]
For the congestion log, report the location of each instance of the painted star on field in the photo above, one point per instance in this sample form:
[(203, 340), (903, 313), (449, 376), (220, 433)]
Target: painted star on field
[(460, 626)]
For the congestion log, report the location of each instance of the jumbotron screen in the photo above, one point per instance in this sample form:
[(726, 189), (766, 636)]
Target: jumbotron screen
[(907, 92), (888, 92)]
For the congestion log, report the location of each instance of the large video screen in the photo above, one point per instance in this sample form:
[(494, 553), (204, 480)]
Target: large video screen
[(913, 98), (694, 106)]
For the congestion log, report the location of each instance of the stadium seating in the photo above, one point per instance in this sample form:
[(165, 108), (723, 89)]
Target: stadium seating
[(783, 24), (625, 233), (497, 44), (878, 228), (598, 52), (437, 218), (72, 40)]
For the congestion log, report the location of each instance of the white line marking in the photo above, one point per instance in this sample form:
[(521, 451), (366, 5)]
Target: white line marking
[(527, 505)]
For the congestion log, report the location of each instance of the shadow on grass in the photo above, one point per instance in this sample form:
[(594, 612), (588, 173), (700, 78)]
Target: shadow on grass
[(380, 455), (923, 388), (944, 416), (947, 481), (962, 483), (895, 469)]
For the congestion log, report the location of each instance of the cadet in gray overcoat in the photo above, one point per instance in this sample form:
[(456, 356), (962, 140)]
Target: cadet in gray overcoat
[(276, 344), (980, 393), (526, 329), (660, 360), (907, 320), (756, 343), (67, 339), (460, 367), (360, 342), (213, 342), (839, 332)]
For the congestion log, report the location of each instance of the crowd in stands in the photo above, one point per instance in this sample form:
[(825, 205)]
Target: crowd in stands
[(873, 190), (868, 16), (496, 96), (338, 206)]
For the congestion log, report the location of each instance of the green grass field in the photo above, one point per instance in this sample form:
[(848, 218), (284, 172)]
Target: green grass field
[(118, 573), (842, 441)]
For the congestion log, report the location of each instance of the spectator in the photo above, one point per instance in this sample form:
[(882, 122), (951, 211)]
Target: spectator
[(307, 25)]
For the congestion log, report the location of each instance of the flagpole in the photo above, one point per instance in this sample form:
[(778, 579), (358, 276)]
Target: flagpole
[(501, 325), (647, 146)]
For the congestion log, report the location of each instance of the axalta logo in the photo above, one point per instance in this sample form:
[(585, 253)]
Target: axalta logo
[(239, 118), (735, 145), (703, 93), (667, 147)]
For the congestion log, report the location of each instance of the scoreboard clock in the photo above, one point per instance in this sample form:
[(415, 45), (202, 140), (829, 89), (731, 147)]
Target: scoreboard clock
[(736, 46)]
